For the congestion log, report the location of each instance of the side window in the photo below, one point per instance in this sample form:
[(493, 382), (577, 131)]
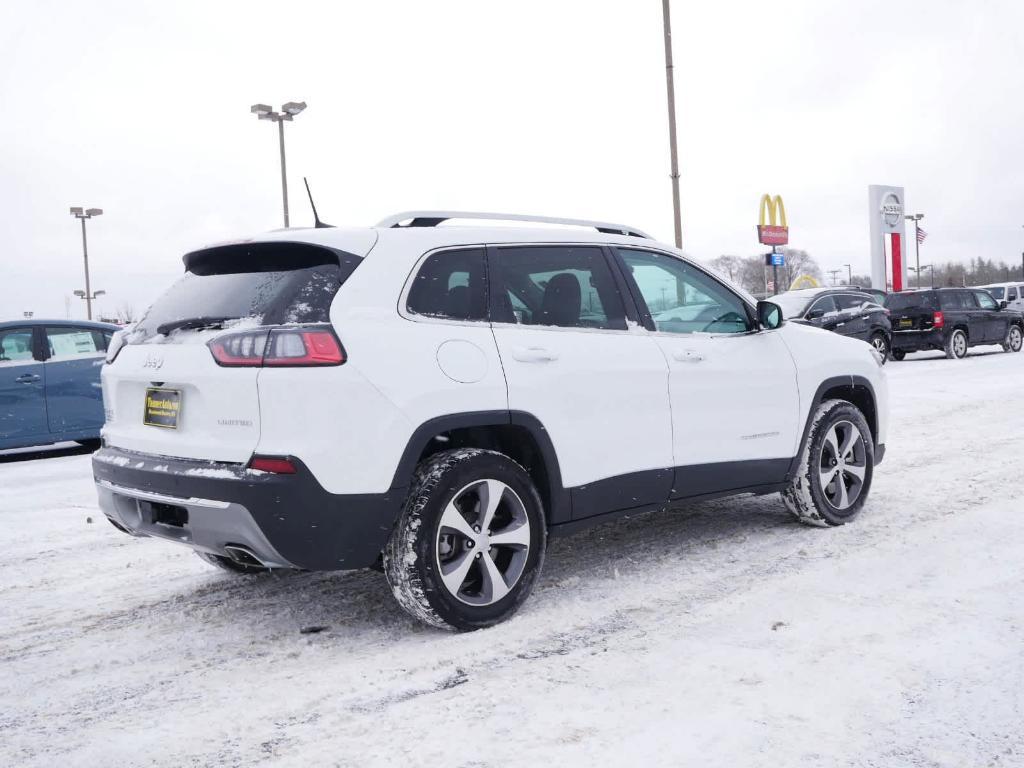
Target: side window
[(849, 302), (985, 300), (682, 298), (450, 285), (566, 286), (967, 300), (826, 305), (70, 342), (950, 300), (1011, 294), (15, 345)]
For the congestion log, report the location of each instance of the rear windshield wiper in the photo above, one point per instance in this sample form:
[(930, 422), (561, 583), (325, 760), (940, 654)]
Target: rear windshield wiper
[(192, 322)]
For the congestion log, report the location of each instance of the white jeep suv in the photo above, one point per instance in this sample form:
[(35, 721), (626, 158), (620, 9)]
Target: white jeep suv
[(438, 400)]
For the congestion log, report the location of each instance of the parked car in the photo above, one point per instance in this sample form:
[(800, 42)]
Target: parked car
[(439, 400), (951, 320), (1011, 293), (50, 381), (846, 311)]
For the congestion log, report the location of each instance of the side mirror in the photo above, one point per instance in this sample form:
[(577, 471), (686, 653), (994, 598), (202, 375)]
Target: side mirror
[(816, 314), (1002, 305), (769, 315)]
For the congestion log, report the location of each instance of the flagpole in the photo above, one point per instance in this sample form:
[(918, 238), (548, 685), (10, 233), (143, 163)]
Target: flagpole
[(917, 242)]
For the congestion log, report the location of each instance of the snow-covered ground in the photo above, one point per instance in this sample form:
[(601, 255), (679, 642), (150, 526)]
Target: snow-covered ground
[(720, 634)]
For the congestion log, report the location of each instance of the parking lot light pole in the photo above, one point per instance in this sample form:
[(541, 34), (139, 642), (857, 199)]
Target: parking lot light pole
[(82, 215), (916, 218), (288, 112), (849, 274), (673, 150)]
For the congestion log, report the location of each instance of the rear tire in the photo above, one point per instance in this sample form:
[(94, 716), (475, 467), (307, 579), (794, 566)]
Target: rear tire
[(227, 564), (836, 466), (897, 354), (1014, 339), (469, 544), (956, 345), (881, 345)]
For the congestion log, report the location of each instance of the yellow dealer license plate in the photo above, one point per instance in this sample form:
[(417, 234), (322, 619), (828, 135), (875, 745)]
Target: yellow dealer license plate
[(163, 408)]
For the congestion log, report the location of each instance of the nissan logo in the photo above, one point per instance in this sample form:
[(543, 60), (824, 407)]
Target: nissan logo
[(892, 209)]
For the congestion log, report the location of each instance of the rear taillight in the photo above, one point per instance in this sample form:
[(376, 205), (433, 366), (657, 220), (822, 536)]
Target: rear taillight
[(274, 464), (938, 320), (278, 347)]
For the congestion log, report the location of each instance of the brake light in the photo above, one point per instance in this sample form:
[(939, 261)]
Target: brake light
[(280, 347), (938, 320), (274, 464)]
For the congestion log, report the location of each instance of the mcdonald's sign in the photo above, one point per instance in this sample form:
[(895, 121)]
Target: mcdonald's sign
[(772, 228)]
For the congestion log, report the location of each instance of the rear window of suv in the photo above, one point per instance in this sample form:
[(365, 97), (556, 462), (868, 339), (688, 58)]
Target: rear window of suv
[(904, 301), (266, 283)]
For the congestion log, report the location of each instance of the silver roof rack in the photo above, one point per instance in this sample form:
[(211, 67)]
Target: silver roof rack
[(434, 218)]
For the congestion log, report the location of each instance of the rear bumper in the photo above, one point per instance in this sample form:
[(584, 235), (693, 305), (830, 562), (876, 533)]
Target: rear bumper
[(284, 521), (913, 341)]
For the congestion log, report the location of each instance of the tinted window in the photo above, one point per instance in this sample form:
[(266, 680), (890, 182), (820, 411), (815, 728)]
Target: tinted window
[(15, 345), (996, 292), (913, 300), (568, 286), (451, 285), (1011, 294), (968, 300), (826, 305), (985, 300), (65, 342), (682, 298), (268, 283)]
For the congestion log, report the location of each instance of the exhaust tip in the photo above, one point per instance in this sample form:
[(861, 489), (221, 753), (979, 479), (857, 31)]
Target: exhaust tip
[(243, 556)]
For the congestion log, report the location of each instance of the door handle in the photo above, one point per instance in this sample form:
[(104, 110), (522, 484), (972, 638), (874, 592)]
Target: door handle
[(27, 378), (534, 354), (687, 356)]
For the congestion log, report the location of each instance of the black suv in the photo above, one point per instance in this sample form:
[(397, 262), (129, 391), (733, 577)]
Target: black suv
[(951, 320), (847, 311)]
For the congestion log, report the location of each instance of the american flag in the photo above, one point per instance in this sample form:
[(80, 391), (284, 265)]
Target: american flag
[(921, 235)]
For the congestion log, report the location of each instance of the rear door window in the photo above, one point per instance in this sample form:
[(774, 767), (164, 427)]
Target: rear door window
[(566, 286), (264, 283), (1011, 294), (450, 285), (968, 300), (15, 345)]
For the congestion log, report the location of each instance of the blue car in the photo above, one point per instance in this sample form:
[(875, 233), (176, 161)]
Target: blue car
[(50, 381)]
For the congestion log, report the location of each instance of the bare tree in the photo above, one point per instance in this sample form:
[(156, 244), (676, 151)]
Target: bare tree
[(126, 314)]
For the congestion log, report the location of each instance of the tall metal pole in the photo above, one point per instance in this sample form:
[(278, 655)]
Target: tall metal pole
[(670, 85), (917, 249), (88, 288), (284, 172)]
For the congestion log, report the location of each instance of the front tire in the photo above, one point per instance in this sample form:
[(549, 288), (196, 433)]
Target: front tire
[(469, 544), (956, 345), (1014, 339), (836, 466)]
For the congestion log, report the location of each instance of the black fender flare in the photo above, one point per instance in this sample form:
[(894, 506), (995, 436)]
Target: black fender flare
[(560, 500), (819, 396)]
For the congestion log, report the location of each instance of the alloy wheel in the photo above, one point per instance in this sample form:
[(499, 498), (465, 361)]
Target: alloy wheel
[(959, 344), (842, 465), (483, 542), (1016, 338)]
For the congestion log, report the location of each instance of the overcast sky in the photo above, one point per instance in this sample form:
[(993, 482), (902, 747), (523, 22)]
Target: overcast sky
[(535, 106)]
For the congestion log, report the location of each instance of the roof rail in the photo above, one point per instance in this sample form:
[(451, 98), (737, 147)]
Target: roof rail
[(433, 218)]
